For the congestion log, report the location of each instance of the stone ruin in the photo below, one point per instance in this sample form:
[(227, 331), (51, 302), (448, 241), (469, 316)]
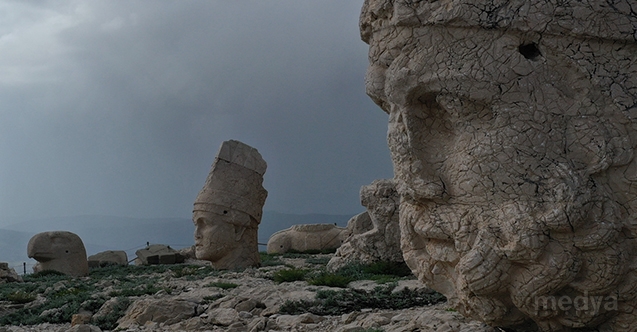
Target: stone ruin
[(155, 254), (58, 251), (8, 274), (374, 234), (307, 238), (512, 129), (228, 209), (108, 258)]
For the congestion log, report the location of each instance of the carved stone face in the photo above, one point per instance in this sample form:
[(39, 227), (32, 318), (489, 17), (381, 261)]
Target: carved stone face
[(214, 236), (499, 147)]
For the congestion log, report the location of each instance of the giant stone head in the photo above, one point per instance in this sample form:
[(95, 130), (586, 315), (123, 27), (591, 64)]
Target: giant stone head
[(512, 128)]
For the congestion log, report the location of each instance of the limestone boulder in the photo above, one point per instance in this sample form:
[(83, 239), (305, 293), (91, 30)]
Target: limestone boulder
[(8, 274), (59, 251), (165, 311), (106, 258), (512, 131), (375, 234), (158, 254), (307, 237), (228, 209)]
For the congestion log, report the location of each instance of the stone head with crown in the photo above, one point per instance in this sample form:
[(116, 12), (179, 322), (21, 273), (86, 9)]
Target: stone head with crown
[(228, 209)]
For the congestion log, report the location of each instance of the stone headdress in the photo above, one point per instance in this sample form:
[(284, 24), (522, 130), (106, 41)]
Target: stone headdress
[(615, 20), (234, 184)]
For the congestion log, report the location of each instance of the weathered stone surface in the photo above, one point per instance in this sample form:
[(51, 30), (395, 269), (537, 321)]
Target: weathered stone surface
[(228, 209), (60, 251), (381, 243), (158, 254), (8, 274), (110, 257), (512, 128), (84, 328), (310, 237), (165, 311)]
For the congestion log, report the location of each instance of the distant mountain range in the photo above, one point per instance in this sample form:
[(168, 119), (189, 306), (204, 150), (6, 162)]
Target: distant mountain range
[(101, 233)]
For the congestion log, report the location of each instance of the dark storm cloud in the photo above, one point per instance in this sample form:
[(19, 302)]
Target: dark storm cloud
[(119, 107)]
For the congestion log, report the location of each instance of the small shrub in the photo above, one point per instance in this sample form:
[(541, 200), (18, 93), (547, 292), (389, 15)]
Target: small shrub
[(20, 297), (46, 273), (211, 298), (328, 302), (110, 322), (222, 285), (318, 260), (289, 275), (331, 280), (270, 259), (147, 289)]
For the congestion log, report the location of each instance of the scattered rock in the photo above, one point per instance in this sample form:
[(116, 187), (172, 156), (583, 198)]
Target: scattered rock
[(378, 242), (8, 274), (168, 311), (110, 257), (158, 254)]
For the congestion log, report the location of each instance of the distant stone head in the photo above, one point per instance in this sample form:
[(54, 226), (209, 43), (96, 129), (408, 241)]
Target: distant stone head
[(229, 208), (59, 251)]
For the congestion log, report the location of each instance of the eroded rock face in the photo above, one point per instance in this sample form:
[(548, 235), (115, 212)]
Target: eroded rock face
[(381, 241), (307, 238), (512, 128), (59, 251), (228, 209)]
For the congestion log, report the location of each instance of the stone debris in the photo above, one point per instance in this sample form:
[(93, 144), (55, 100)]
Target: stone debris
[(59, 251), (374, 234), (8, 274), (512, 131), (158, 254), (308, 237), (110, 257), (229, 207)]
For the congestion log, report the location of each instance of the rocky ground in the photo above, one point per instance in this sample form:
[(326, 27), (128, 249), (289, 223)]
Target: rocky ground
[(193, 297)]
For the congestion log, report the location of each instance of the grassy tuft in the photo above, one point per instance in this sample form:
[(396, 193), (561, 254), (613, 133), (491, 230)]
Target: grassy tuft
[(328, 302), (289, 275), (222, 285)]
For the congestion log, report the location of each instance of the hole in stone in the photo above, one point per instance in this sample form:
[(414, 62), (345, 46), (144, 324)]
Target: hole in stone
[(529, 51), (225, 212), (67, 251)]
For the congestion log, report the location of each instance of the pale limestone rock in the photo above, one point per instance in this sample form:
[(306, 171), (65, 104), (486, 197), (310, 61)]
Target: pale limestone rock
[(228, 209), (307, 237), (158, 254), (59, 251), (148, 310), (109, 257), (512, 128), (8, 274), (381, 243)]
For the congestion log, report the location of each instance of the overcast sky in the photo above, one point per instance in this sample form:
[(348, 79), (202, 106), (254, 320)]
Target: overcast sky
[(119, 107)]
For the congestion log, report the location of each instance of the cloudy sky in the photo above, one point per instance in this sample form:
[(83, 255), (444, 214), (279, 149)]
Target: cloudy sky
[(119, 107)]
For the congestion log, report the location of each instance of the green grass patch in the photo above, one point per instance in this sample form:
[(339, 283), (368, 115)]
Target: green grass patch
[(330, 280), (289, 275), (222, 285), (20, 297), (328, 302)]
